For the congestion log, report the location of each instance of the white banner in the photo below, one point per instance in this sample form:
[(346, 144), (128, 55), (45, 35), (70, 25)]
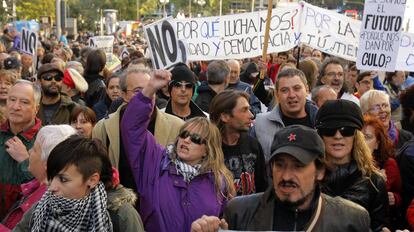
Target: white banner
[(405, 61), (241, 35), (106, 43), (238, 36), (330, 32), (166, 49), (380, 35)]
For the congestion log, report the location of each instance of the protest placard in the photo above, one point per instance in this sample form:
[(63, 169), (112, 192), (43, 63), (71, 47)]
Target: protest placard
[(380, 35), (124, 53), (405, 60), (105, 43), (166, 49), (28, 44), (239, 36), (329, 32)]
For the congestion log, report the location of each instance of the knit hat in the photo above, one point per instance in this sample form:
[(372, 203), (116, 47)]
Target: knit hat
[(12, 63), (299, 141), (49, 67), (74, 80), (180, 73), (339, 113)]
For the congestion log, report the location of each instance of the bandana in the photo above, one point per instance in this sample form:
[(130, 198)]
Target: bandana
[(54, 213)]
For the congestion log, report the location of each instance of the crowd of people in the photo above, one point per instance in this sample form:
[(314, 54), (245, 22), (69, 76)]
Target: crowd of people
[(315, 145)]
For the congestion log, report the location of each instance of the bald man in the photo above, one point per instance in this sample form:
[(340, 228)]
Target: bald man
[(235, 83)]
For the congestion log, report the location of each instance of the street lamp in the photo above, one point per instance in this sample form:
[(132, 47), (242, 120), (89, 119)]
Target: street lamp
[(163, 2)]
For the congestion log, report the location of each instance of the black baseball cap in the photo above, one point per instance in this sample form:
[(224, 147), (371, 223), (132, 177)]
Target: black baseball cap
[(299, 141)]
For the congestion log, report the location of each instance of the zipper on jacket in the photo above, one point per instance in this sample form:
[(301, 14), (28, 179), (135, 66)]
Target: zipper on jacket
[(296, 219)]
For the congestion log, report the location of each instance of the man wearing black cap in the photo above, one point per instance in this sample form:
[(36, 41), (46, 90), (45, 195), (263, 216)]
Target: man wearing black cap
[(181, 89), (55, 108), (295, 202)]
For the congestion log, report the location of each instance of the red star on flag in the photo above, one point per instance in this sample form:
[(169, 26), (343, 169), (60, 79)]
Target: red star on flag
[(292, 137)]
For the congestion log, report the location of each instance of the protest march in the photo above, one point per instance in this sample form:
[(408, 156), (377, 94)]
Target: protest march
[(284, 117)]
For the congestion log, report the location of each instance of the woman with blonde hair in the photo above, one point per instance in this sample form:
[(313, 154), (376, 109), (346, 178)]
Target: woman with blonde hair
[(351, 172), (182, 182)]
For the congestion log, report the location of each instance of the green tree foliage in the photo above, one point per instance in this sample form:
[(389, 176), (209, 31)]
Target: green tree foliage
[(34, 8)]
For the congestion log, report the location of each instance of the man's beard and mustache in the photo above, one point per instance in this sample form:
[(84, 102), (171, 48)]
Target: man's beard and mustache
[(52, 93), (293, 204)]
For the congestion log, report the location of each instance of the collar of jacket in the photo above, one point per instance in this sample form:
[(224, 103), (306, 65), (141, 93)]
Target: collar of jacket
[(276, 113), (195, 110), (29, 133)]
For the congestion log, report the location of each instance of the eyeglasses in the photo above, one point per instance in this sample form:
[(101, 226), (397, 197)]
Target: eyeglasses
[(50, 77), (136, 90), (332, 74), (195, 138), (378, 107), (329, 132), (177, 84)]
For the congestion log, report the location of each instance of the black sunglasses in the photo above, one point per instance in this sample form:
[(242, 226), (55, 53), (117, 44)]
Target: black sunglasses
[(50, 77), (345, 131), (195, 138), (177, 84)]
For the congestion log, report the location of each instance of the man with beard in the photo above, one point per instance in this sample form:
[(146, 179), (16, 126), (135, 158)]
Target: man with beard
[(55, 108), (243, 155), (295, 202)]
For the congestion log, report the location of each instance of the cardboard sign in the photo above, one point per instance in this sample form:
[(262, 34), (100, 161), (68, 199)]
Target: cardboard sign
[(380, 35), (28, 44), (124, 53), (106, 43), (166, 49), (113, 64)]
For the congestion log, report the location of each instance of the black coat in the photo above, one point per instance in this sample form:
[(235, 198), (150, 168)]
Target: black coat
[(348, 182)]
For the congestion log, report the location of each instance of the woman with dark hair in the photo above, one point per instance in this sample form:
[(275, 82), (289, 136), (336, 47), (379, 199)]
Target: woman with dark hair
[(83, 119), (113, 91), (83, 194), (382, 150), (95, 64)]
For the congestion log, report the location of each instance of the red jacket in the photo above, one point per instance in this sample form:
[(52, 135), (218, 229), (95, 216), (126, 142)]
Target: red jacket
[(32, 192), (393, 182)]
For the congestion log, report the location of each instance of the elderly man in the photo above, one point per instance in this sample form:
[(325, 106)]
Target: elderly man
[(322, 93), (17, 135), (237, 84), (294, 203)]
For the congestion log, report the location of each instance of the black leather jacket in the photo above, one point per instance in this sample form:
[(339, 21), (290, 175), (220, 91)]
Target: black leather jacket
[(348, 182), (256, 213)]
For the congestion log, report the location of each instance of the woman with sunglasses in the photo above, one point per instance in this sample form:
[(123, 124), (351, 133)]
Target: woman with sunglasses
[(377, 103), (351, 172), (182, 182)]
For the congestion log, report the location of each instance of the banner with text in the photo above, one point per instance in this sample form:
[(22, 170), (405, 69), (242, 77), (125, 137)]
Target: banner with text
[(106, 43), (405, 60), (330, 32), (380, 34), (239, 36)]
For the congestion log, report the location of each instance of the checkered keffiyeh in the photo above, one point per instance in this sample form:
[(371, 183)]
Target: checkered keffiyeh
[(186, 170), (55, 213)]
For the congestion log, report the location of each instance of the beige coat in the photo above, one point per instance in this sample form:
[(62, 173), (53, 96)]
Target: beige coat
[(107, 130)]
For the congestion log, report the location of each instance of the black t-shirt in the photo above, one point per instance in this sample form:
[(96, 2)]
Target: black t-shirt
[(305, 121), (246, 161), (49, 111)]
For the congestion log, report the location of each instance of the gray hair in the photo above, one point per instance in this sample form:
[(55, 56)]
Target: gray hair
[(125, 74), (217, 72), (50, 136), (290, 73), (317, 89), (36, 89), (368, 97)]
